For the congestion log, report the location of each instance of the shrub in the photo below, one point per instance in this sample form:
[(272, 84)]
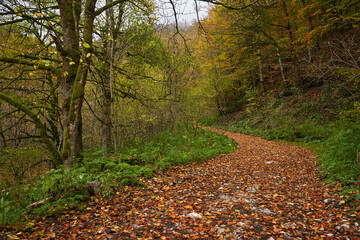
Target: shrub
[(302, 120), (65, 188), (20, 164), (339, 156)]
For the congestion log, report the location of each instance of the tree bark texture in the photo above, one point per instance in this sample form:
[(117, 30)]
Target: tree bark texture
[(72, 147), (71, 58)]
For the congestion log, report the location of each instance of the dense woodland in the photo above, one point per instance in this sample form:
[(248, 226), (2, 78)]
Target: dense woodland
[(86, 85)]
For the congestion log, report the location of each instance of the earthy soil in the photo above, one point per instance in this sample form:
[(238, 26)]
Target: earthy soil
[(264, 190)]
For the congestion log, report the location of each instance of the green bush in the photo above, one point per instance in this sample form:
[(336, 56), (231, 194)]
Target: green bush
[(65, 188), (10, 212), (339, 156), (171, 149), (22, 163), (298, 119)]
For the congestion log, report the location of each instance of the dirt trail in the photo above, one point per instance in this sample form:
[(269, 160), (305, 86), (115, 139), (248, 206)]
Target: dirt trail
[(264, 190)]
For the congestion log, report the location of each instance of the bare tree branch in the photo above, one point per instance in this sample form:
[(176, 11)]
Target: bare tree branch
[(106, 7), (177, 26), (39, 125), (228, 6)]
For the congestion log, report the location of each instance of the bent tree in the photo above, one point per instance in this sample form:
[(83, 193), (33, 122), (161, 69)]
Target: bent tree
[(64, 30)]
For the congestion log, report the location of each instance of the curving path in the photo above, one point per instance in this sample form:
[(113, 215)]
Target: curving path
[(264, 190)]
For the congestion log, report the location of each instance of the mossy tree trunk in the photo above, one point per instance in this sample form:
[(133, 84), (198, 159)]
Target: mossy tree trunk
[(73, 146), (70, 14), (76, 17), (76, 63)]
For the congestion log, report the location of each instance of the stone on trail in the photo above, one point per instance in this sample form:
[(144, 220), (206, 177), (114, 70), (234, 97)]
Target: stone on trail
[(194, 215)]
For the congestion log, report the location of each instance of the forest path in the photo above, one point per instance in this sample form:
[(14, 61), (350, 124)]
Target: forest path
[(264, 190)]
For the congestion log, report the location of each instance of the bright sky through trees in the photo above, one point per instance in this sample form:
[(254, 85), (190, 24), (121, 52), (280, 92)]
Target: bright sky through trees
[(185, 10)]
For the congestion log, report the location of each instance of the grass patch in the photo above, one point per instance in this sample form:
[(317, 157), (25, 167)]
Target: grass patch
[(58, 189), (172, 149), (339, 159), (332, 133)]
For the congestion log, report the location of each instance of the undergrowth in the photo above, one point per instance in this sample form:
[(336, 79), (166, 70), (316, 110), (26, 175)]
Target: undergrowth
[(62, 188), (333, 133)]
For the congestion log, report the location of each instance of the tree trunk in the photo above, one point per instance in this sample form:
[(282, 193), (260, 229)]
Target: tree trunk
[(298, 80), (72, 148), (261, 75), (106, 124), (108, 133), (218, 94), (309, 29), (280, 65), (71, 59)]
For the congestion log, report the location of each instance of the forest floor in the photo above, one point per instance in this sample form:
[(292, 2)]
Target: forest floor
[(264, 190)]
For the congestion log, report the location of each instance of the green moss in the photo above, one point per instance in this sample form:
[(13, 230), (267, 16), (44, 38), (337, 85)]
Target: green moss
[(71, 117), (78, 90), (66, 148)]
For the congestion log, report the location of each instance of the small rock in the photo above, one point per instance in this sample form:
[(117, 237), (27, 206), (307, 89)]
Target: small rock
[(221, 231), (194, 215), (237, 231), (242, 224), (269, 162), (266, 211), (345, 225), (228, 198), (287, 235), (93, 187), (137, 226), (271, 238), (328, 200), (263, 211), (289, 225), (251, 189)]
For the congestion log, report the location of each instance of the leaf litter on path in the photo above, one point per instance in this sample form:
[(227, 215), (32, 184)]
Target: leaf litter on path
[(264, 190)]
